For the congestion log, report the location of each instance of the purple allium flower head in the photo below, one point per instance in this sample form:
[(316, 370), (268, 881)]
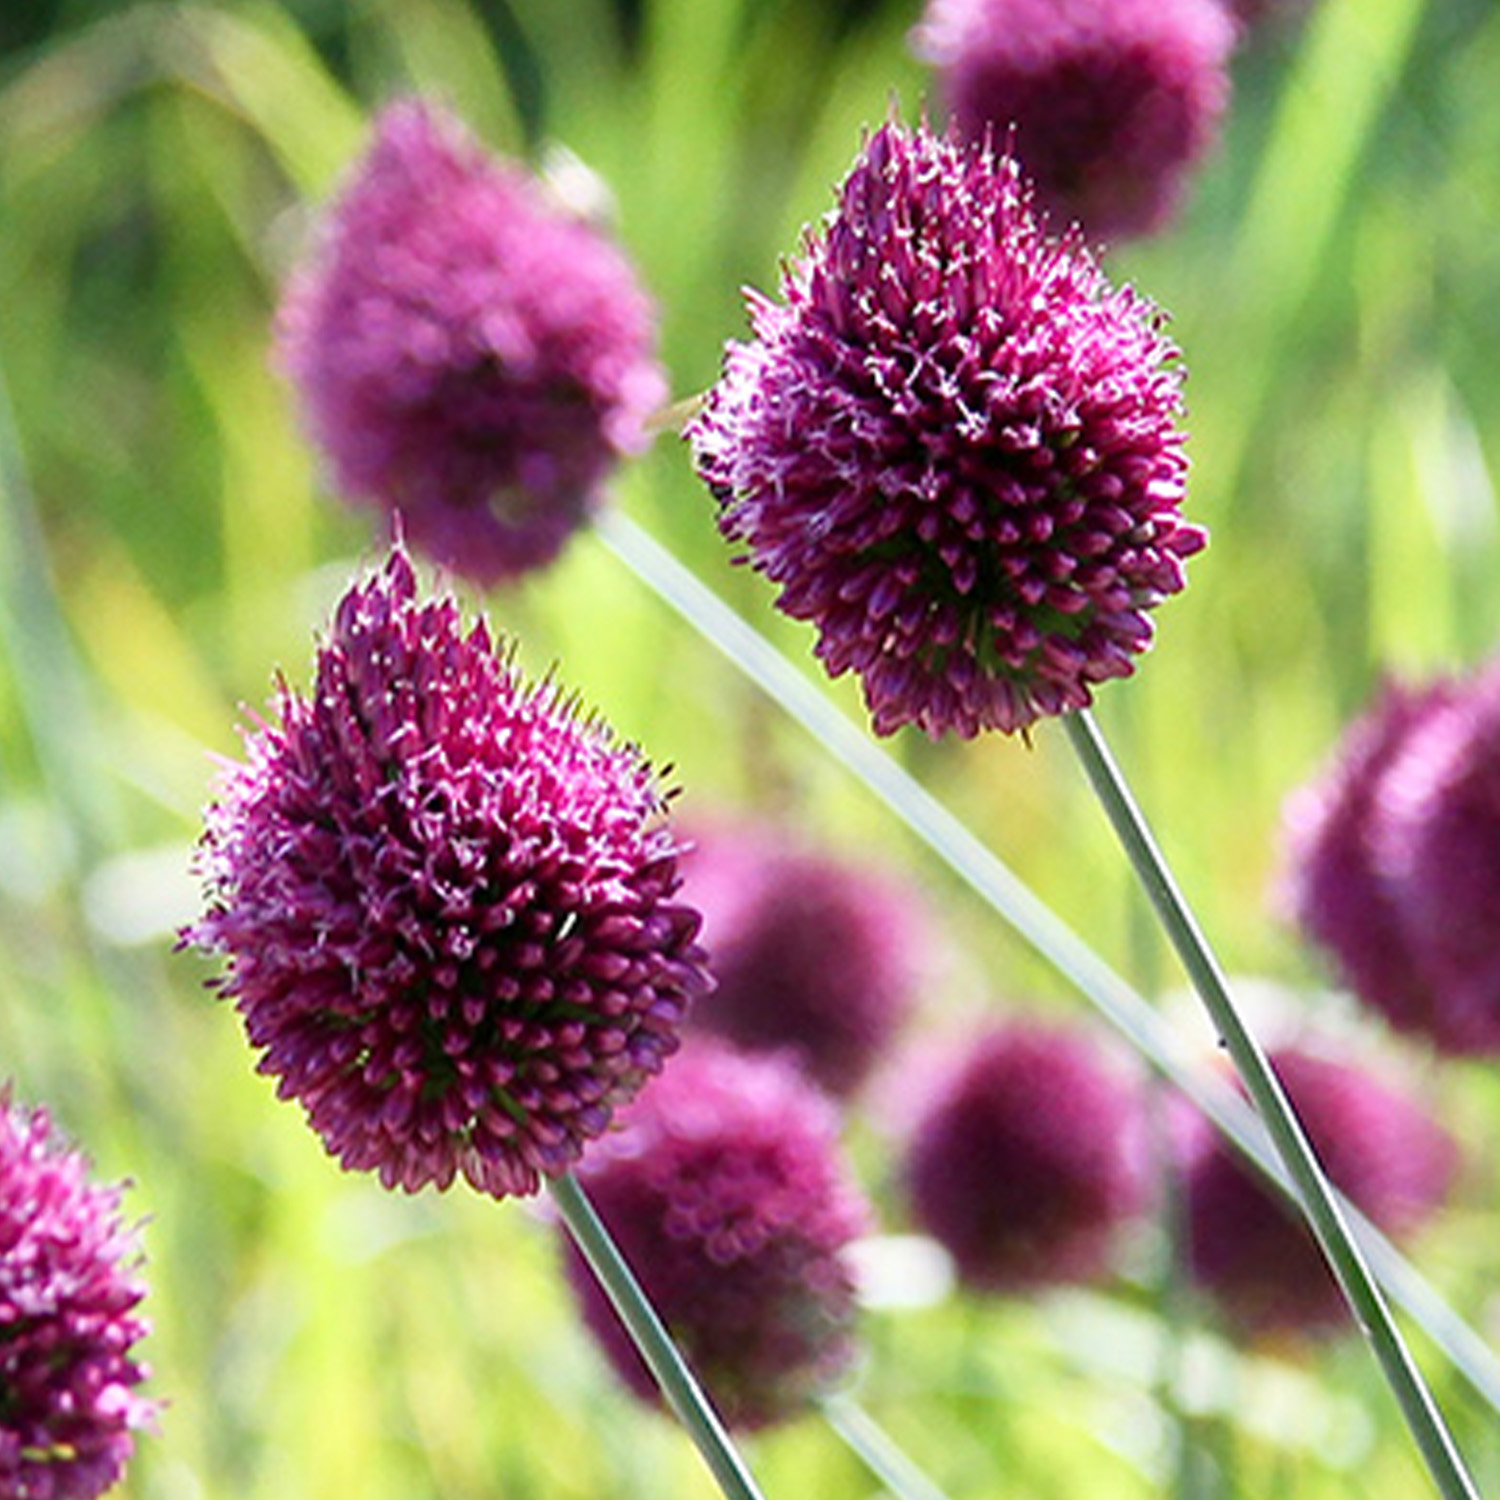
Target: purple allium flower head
[(1251, 1250), (954, 447), (809, 953), (446, 900), (1025, 1158), (68, 1320), (725, 1189), (1391, 860), (1436, 846), (468, 353), (1111, 101)]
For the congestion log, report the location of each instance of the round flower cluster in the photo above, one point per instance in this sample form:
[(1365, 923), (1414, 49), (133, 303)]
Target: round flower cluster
[(447, 905), (1111, 101), (809, 953), (468, 352), (1393, 860), (725, 1189), (68, 1320), (1252, 1251), (953, 447), (1026, 1158)]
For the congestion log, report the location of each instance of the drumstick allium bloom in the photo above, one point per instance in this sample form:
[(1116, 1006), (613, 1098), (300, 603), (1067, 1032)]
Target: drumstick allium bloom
[(725, 1187), (811, 953), (1338, 883), (1251, 1251), (446, 901), (954, 447), (468, 352), (68, 1320), (1026, 1157), (1112, 101)]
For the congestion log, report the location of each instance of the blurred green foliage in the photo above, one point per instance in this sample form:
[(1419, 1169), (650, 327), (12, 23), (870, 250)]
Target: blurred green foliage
[(165, 543)]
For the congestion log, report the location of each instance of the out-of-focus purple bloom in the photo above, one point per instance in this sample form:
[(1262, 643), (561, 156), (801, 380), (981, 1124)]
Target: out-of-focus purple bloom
[(1111, 101), (1437, 849), (1025, 1159), (1251, 1250), (953, 447), (809, 953), (446, 900), (468, 353), (1393, 859), (68, 1320), (725, 1190)]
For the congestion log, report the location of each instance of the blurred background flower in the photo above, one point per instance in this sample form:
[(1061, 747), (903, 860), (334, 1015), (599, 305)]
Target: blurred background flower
[(726, 1188), (1113, 103), (469, 354)]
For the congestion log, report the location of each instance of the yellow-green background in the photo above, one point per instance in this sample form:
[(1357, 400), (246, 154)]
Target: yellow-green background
[(165, 544)]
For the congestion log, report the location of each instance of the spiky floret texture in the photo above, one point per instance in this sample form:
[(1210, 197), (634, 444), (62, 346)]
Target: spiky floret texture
[(69, 1295), (810, 953), (1392, 859), (953, 447), (725, 1189), (446, 901), (1251, 1251), (1025, 1157), (468, 352), (1112, 102)]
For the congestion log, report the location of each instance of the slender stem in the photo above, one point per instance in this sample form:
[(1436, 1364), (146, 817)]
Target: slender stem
[(1270, 1100), (682, 1391), (877, 1450), (1034, 922)]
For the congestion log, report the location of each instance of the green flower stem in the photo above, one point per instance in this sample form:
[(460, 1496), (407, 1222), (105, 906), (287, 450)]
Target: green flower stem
[(1270, 1100), (683, 1393), (877, 1450), (951, 841)]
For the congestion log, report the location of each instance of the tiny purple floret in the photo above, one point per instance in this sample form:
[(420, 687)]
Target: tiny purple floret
[(953, 447), (69, 1295), (469, 353), (446, 902)]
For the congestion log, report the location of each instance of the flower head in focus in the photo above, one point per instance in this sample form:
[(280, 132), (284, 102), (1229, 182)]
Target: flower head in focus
[(68, 1320), (446, 901), (810, 953), (725, 1188), (1251, 1250), (1025, 1158), (1392, 859), (953, 447), (468, 353), (1111, 101)]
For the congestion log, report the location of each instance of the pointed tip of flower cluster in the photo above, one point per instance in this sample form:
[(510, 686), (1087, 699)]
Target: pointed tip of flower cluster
[(468, 353), (954, 447), (1025, 1160), (68, 1320), (446, 902), (1112, 102), (1393, 860), (725, 1188), (810, 953), (1252, 1252)]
